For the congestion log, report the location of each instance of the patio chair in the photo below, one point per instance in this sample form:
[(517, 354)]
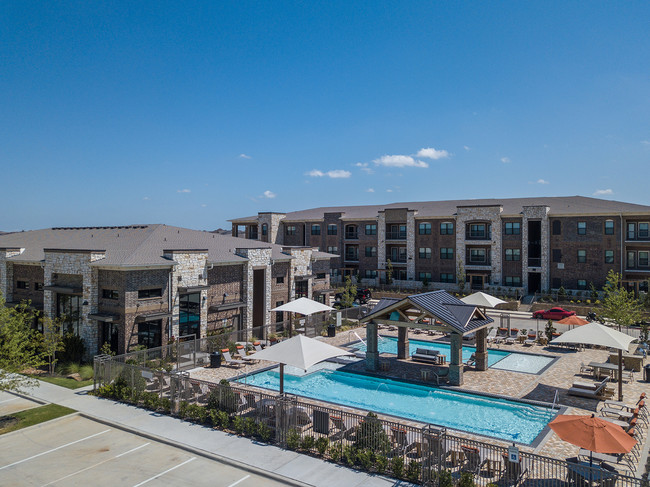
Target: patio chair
[(586, 369), (257, 346), (474, 461), (531, 339), (590, 386), (512, 338), (343, 431), (229, 360), (600, 393), (400, 443), (471, 361), (492, 335), (515, 472)]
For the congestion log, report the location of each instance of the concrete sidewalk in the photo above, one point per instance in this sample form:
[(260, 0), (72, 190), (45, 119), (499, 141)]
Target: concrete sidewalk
[(230, 448)]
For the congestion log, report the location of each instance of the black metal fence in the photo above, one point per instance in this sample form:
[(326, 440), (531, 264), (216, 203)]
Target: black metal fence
[(425, 454)]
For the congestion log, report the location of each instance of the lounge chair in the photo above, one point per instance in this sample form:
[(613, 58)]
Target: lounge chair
[(229, 360), (514, 333), (531, 339), (257, 346), (400, 443), (471, 361), (590, 386), (599, 393), (492, 335), (342, 429)]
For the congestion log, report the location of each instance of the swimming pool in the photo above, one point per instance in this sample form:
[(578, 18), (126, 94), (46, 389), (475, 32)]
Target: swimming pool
[(497, 418), (498, 359)]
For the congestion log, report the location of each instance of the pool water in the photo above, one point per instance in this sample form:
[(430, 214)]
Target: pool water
[(497, 418), (497, 359)]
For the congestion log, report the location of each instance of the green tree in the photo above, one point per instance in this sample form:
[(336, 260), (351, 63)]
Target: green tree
[(389, 272), (349, 293), (620, 305), (51, 341), (460, 277), (549, 330), (19, 346)]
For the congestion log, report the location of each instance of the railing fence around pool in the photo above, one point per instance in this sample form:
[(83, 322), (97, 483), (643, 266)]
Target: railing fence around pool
[(430, 455)]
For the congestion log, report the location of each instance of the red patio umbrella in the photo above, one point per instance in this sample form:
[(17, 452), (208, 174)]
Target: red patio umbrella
[(572, 320)]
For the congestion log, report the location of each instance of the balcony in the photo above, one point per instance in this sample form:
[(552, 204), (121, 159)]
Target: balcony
[(534, 262), (398, 260), (476, 262), (351, 235), (392, 235), (351, 257)]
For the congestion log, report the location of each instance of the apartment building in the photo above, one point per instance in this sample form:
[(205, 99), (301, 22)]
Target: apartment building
[(523, 244), (143, 284)]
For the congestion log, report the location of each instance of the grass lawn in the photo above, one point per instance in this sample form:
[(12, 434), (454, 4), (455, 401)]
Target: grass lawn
[(65, 382), (30, 417)]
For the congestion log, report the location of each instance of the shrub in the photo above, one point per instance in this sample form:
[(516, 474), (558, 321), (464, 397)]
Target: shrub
[(223, 398), (220, 419), (371, 435), (182, 409), (466, 480), (265, 432), (348, 455), (238, 424), (250, 427), (335, 452), (197, 413), (70, 368), (381, 463), (413, 472), (307, 443), (150, 400), (86, 372), (397, 466), (73, 348), (322, 444), (445, 479), (293, 439), (366, 458)]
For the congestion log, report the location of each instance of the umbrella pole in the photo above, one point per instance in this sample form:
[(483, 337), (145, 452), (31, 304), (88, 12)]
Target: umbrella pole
[(620, 375), (281, 378)]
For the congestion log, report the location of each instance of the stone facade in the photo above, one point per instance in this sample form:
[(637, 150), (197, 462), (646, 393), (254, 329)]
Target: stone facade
[(257, 259), (480, 214), (535, 213)]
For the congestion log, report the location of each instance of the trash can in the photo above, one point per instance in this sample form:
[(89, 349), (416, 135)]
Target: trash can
[(646, 373), (215, 359), (331, 330)]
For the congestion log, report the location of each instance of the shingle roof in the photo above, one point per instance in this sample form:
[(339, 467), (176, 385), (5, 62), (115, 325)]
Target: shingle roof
[(134, 245), (560, 205)]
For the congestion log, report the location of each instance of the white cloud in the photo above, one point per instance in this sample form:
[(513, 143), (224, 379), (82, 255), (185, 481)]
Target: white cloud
[(431, 153), (361, 164), (203, 205), (467, 148), (334, 174), (183, 190), (645, 142), (603, 192), (505, 160), (389, 190), (146, 198), (542, 181), (269, 194), (244, 156), (370, 190), (399, 161)]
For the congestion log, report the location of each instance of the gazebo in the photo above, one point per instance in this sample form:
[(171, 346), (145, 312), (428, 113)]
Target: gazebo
[(436, 310)]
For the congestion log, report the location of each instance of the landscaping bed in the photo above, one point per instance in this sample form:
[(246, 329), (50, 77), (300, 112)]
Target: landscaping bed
[(30, 417)]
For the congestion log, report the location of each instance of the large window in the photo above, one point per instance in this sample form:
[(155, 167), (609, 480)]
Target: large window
[(150, 333), (333, 249), (446, 253), (315, 229), (446, 228), (22, 284), (371, 229), (479, 231), (631, 260), (291, 229), (631, 231), (582, 284), (370, 274), (609, 256), (371, 251), (477, 256), (265, 229), (512, 281), (332, 229), (351, 232), (582, 256), (424, 253), (150, 293), (189, 317), (68, 308), (424, 276), (424, 229), (396, 232), (513, 228), (609, 227), (110, 335), (643, 230), (110, 294), (582, 228), (557, 255), (352, 253), (446, 277), (643, 258), (513, 254), (279, 315)]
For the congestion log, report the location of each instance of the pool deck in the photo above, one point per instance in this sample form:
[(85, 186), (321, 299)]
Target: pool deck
[(558, 376)]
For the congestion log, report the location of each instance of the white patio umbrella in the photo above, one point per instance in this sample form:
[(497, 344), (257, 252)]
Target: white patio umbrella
[(604, 336), (303, 306), (482, 299), (301, 352)]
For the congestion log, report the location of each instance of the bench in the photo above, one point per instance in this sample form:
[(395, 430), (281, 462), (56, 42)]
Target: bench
[(426, 355)]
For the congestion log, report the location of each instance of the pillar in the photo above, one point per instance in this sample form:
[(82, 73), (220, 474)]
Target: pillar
[(456, 363), (481, 349), (372, 353), (402, 342)]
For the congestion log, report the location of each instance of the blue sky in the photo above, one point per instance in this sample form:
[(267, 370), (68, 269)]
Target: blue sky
[(193, 113)]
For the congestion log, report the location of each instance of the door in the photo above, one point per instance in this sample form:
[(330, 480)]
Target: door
[(477, 282), (534, 282)]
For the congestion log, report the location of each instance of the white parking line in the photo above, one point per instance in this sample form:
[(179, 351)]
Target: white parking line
[(240, 480), (9, 400), (163, 473), (96, 465), (54, 449)]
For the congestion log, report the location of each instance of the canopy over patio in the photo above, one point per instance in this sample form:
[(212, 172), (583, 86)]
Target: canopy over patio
[(483, 300), (435, 310), (303, 306)]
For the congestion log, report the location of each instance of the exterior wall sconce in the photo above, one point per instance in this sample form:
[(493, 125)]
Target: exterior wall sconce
[(85, 303)]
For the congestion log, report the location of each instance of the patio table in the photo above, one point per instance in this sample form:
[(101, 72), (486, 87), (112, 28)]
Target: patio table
[(590, 476), (598, 366)]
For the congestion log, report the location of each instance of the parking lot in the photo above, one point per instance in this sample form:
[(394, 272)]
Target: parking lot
[(77, 451), (10, 403)]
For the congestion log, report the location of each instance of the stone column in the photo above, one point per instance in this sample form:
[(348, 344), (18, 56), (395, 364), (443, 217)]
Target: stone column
[(381, 241), (481, 349), (402, 342), (410, 245), (456, 363), (372, 353)]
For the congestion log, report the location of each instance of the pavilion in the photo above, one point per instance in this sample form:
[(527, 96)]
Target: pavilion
[(436, 310)]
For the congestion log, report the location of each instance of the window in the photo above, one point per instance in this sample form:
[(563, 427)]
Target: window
[(513, 254), (424, 229), (557, 227), (582, 284), (291, 229), (582, 256), (315, 229), (333, 249), (477, 256), (631, 231), (609, 256), (631, 260), (512, 281), (446, 228), (424, 253), (557, 255), (279, 280), (643, 258), (446, 253), (110, 294), (38, 286), (351, 232), (609, 227), (279, 315), (582, 228), (371, 251), (478, 231), (22, 285), (189, 315), (68, 308), (370, 274), (396, 232), (513, 228), (371, 229), (332, 229), (643, 230), (265, 229), (150, 293), (424, 276), (352, 252), (150, 333), (447, 278), (321, 275)]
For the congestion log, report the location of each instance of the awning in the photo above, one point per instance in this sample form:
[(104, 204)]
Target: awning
[(303, 306), (106, 317), (153, 316), (63, 289), (192, 289), (227, 306)]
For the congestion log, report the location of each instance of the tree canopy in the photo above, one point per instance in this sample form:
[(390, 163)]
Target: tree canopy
[(620, 305)]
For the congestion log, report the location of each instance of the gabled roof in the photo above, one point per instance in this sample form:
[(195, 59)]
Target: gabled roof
[(452, 311)]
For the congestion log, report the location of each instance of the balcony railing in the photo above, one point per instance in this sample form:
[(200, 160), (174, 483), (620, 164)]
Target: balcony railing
[(395, 235), (351, 235), (351, 257), (534, 262), (398, 260)]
